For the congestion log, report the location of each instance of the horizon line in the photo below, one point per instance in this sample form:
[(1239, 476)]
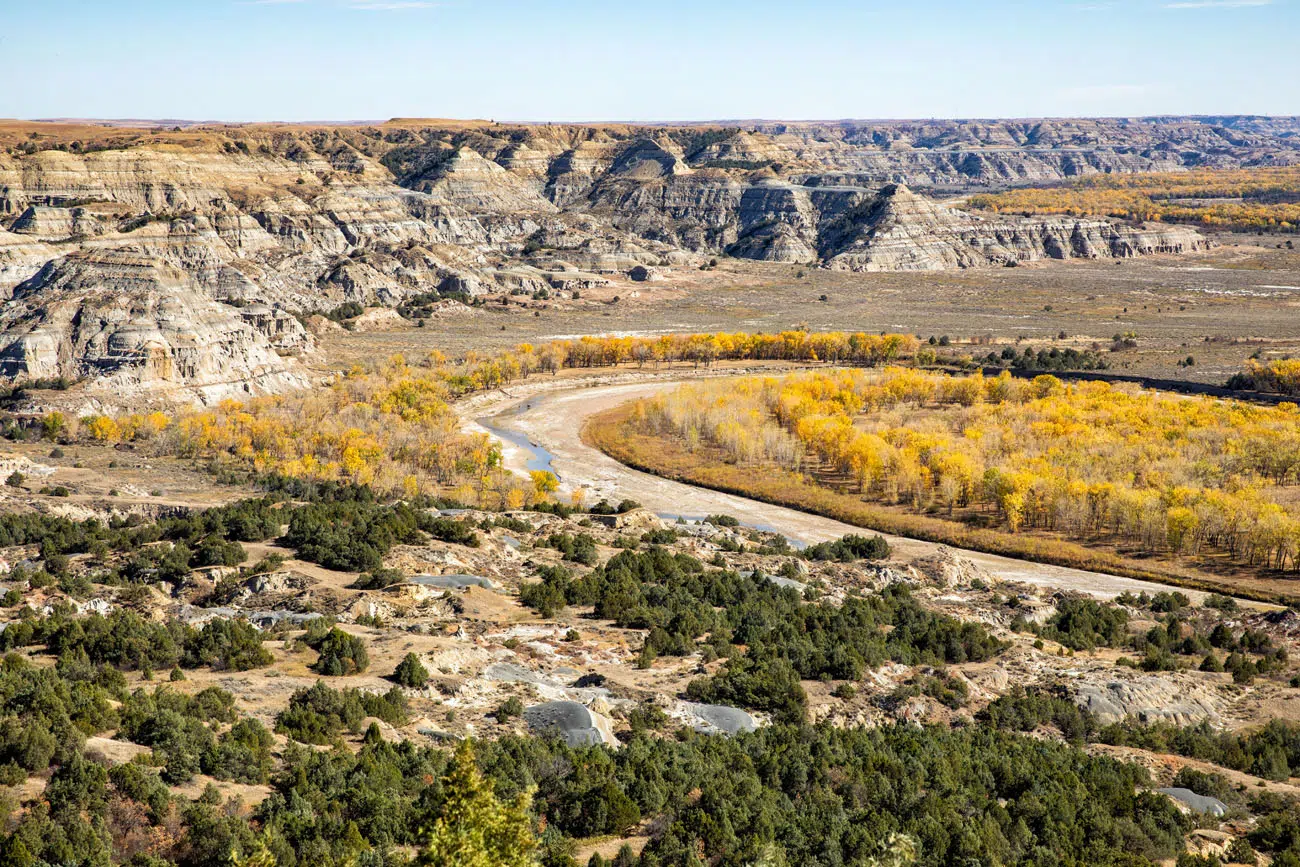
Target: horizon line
[(401, 120)]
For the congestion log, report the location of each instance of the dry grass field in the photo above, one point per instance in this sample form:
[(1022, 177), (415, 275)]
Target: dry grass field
[(1219, 307)]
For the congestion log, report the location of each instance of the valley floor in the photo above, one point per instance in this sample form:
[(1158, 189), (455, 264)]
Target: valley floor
[(1219, 307), (484, 646), (553, 420)]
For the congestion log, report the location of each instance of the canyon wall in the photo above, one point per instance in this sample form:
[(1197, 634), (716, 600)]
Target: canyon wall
[(291, 219)]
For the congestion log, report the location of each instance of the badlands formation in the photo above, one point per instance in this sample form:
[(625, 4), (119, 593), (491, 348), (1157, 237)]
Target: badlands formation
[(172, 263)]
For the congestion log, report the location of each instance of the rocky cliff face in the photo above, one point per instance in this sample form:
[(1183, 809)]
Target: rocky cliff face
[(968, 154), (901, 231), (133, 327), (297, 219), (306, 219)]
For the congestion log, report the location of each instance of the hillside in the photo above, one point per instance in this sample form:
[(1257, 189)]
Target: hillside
[(305, 218)]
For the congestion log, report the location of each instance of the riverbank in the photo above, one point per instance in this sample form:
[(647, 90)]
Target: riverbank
[(555, 414), (611, 432)]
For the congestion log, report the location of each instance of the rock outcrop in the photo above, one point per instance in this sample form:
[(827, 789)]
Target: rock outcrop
[(295, 219), (135, 328), (901, 231)]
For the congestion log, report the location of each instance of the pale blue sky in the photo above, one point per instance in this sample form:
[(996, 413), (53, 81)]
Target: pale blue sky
[(570, 60)]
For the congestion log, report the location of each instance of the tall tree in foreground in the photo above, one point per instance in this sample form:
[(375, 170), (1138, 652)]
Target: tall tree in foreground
[(475, 829)]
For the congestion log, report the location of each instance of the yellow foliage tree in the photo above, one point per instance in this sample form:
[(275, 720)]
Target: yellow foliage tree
[(102, 428)]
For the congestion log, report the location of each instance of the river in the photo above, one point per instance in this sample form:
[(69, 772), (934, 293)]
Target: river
[(542, 430)]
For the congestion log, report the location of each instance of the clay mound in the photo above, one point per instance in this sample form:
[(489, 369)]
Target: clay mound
[(1149, 699), (454, 582), (902, 231), (571, 721), (947, 569), (379, 319), (1199, 803), (128, 325), (718, 719)]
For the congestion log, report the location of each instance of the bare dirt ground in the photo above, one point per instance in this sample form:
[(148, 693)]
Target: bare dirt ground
[(98, 479), (1219, 307)]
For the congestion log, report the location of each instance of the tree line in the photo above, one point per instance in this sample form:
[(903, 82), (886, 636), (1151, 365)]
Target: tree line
[(1168, 474), (390, 424), (1258, 198)]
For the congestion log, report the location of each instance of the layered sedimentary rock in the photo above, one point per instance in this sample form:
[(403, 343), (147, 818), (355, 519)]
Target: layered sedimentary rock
[(57, 224), (306, 219), (901, 231), (982, 153), (287, 219), (133, 327), (20, 257)]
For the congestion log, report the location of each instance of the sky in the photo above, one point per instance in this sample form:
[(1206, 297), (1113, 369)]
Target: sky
[(646, 60)]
